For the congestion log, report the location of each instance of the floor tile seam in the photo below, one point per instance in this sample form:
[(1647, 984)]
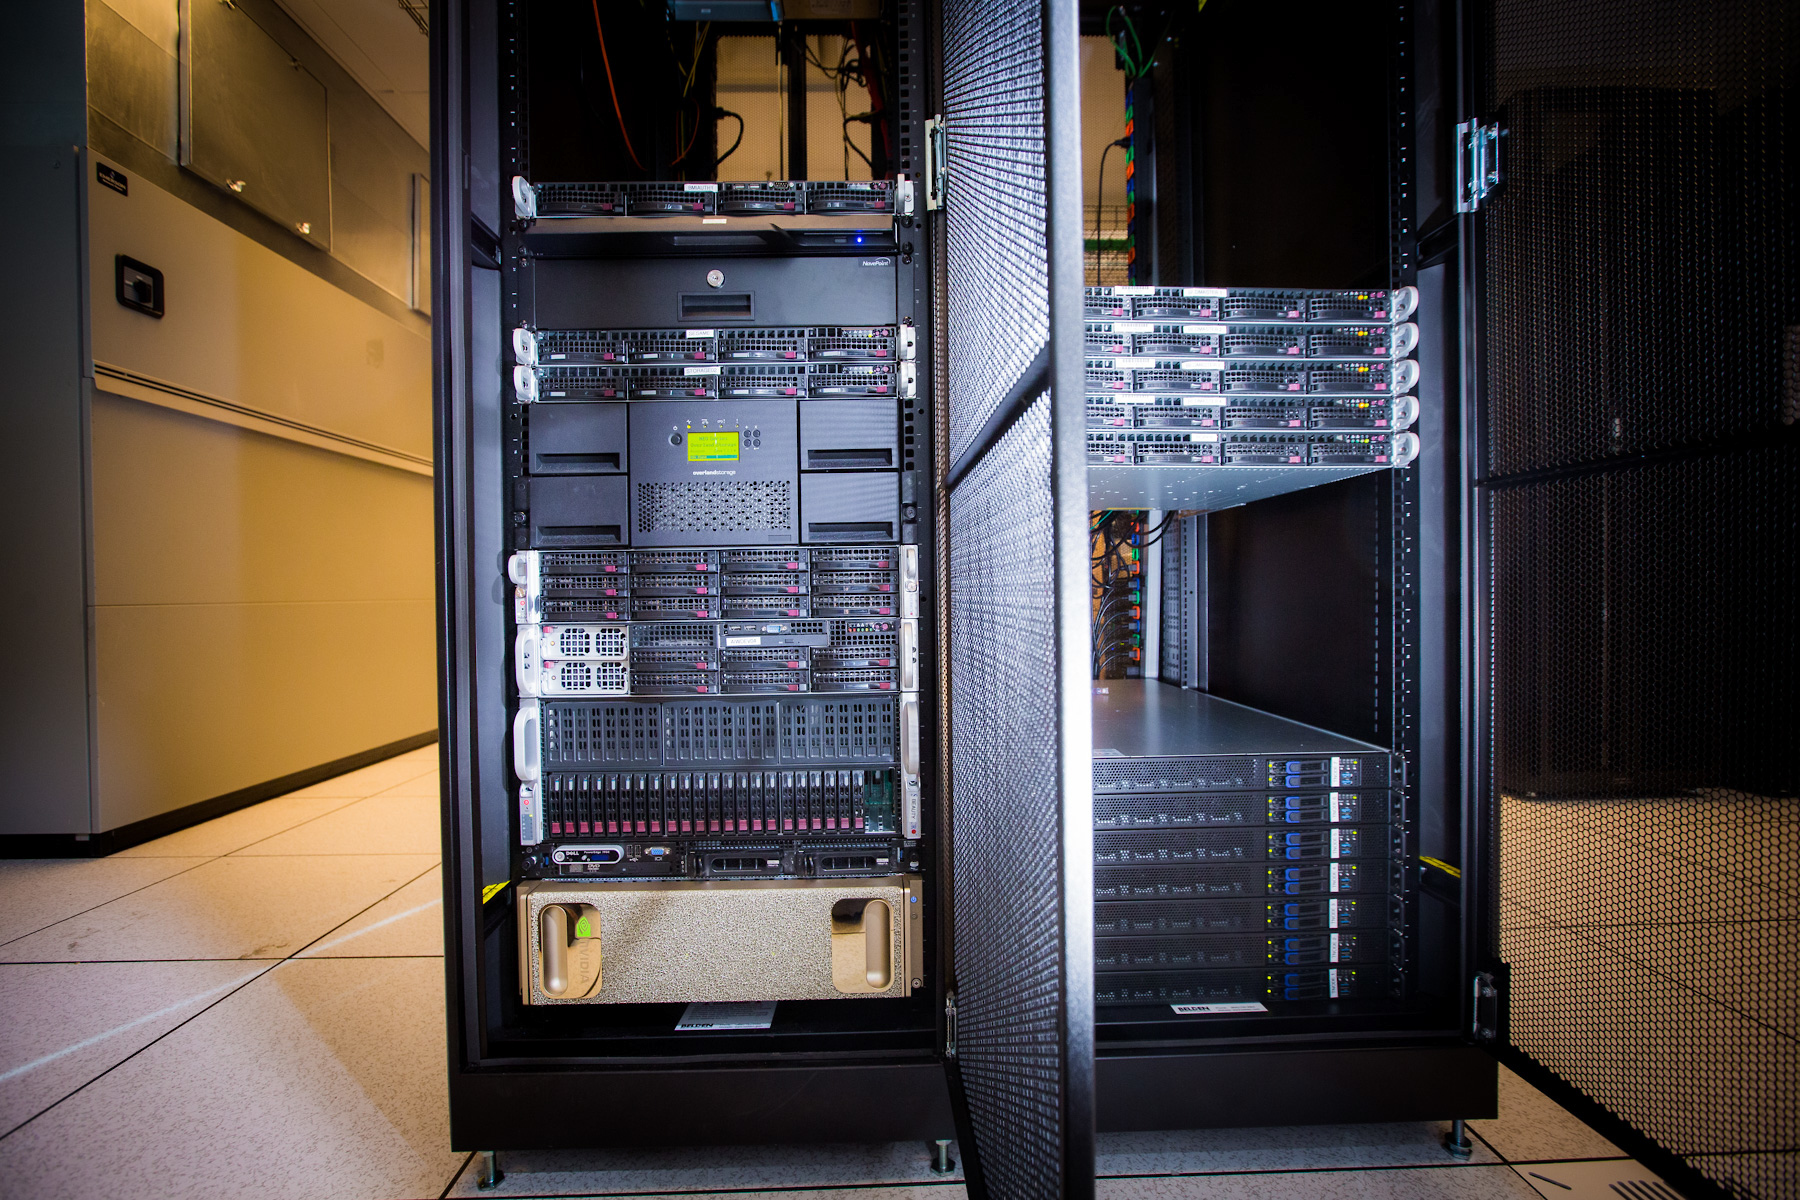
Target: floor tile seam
[(204, 860), (1682, 984), (502, 1194), (85, 1084), (457, 1174), (273, 965), (348, 801), (1492, 1149), (338, 854), (1575, 1158), (431, 770), (362, 911), (96, 962), (1459, 1165)]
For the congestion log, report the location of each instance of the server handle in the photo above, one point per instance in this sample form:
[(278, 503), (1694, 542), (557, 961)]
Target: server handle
[(553, 933), (878, 944), (909, 735)]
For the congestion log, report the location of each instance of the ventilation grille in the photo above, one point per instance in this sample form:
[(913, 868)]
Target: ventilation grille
[(722, 733), (1004, 705), (997, 279), (591, 641), (609, 679), (714, 507), (673, 634), (581, 734), (1164, 774), (838, 731), (1641, 297)]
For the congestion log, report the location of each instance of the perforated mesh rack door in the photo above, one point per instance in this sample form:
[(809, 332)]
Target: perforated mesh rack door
[(1020, 710), (997, 273), (1639, 311)]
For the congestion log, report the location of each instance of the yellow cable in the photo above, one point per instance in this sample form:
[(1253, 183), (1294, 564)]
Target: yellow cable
[(1439, 863)]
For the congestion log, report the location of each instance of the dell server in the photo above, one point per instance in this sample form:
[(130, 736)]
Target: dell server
[(1227, 842)]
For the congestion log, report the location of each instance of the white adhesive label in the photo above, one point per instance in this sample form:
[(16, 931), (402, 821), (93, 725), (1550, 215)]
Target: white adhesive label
[(1332, 976), (1203, 437), (700, 333), (752, 1014), (1331, 913), (1203, 291), (1203, 1010), (1337, 843), (1122, 290), (699, 370), (1215, 330), (700, 187), (1127, 327), (1337, 810), (1334, 877), (743, 641), (1336, 771), (1334, 947), (1129, 364), (1203, 401), (1202, 364)]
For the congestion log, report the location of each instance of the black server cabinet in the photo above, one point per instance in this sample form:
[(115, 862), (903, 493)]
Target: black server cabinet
[(1332, 613), (1503, 600), (569, 483)]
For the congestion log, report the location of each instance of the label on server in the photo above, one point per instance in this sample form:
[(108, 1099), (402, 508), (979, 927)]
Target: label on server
[(1203, 1010)]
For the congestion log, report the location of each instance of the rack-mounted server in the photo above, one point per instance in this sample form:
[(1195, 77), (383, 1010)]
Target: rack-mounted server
[(715, 595), (1206, 398), (1240, 858)]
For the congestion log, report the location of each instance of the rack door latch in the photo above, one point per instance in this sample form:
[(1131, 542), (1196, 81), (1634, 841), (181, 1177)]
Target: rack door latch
[(950, 1025), (1484, 1023), (937, 155), (1477, 163)]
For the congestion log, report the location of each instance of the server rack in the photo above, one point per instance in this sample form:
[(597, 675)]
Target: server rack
[(1385, 585), (552, 608), (1322, 605)]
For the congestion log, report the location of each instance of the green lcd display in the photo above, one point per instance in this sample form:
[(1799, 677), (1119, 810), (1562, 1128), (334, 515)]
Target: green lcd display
[(712, 447)]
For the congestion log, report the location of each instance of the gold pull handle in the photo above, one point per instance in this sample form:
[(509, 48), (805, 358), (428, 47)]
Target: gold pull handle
[(878, 944), (554, 933)]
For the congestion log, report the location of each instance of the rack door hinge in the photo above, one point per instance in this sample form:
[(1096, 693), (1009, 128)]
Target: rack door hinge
[(950, 1025), (937, 155), (1484, 1023), (1477, 163)]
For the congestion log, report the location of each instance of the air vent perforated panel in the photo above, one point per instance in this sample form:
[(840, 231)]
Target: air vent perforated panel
[(713, 507)]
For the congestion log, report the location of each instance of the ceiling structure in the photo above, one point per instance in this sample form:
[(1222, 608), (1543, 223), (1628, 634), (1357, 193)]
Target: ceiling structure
[(382, 43)]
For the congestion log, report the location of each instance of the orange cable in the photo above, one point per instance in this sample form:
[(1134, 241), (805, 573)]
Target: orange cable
[(612, 89)]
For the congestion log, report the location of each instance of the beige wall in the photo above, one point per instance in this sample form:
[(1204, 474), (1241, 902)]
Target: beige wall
[(261, 516), (246, 326), (260, 607)]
